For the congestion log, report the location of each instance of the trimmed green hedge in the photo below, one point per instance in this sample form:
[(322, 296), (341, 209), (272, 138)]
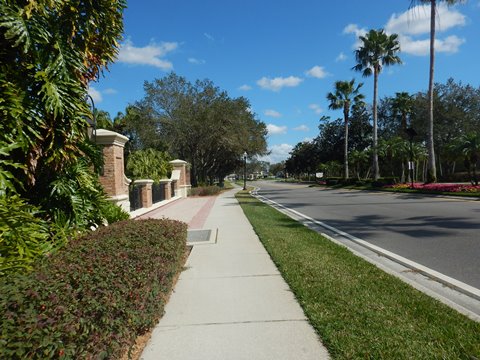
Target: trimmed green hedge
[(92, 298), (205, 190)]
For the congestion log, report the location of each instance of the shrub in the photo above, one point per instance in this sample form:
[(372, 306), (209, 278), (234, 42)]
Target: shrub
[(205, 190), (384, 181), (113, 213), (24, 235), (92, 298), (333, 180)]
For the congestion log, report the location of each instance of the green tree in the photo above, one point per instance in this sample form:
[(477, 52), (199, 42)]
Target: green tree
[(148, 164), (402, 104), (203, 125), (469, 146), (343, 97), (49, 52), (377, 50)]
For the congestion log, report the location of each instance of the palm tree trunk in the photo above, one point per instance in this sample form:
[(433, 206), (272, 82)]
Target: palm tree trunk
[(345, 158), (431, 167), (346, 109), (376, 169)]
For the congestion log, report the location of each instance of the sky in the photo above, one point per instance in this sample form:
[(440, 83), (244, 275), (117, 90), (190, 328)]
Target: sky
[(284, 56)]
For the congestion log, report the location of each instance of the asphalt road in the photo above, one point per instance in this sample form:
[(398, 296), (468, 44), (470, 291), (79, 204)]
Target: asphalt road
[(438, 232)]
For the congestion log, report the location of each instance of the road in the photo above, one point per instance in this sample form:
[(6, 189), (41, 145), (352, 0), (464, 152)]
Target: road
[(438, 232)]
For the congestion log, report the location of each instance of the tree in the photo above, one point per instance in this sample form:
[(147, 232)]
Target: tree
[(203, 125), (402, 104), (303, 159), (469, 146), (377, 50), (49, 52), (148, 164), (344, 95), (431, 166)]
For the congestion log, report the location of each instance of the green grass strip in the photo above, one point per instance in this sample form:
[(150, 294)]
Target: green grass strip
[(359, 311)]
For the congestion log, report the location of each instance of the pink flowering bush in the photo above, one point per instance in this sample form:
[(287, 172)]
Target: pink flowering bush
[(439, 187)]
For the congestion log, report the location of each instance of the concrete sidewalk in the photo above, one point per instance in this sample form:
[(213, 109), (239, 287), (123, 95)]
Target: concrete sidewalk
[(231, 302)]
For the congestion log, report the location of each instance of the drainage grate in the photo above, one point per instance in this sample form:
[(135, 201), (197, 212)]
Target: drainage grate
[(194, 236)]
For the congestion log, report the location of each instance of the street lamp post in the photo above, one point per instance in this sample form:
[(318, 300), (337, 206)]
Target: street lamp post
[(245, 170), (411, 133), (92, 123)]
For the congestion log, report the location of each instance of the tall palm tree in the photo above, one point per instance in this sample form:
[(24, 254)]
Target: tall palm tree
[(402, 104), (431, 167), (378, 49), (343, 97)]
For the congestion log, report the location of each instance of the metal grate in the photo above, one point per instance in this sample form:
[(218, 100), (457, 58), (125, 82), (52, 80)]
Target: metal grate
[(135, 198), (158, 193)]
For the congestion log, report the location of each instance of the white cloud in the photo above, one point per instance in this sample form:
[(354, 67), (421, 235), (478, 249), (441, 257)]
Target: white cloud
[(95, 94), (110, 91), (276, 130), (307, 140), (278, 153), (317, 72), (450, 45), (316, 108), (209, 37), (413, 29), (301, 128), (341, 57), (416, 20), (196, 61), (272, 113), (245, 87), (276, 84), (152, 54), (354, 29)]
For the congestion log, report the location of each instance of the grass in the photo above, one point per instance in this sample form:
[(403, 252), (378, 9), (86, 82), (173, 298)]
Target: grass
[(358, 310)]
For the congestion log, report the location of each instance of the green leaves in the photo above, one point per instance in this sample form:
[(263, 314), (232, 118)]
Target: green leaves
[(24, 236), (91, 299), (148, 164)]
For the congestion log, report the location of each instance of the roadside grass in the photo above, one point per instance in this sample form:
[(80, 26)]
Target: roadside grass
[(358, 310)]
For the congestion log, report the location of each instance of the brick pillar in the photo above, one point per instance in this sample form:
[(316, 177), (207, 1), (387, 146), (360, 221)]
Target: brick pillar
[(145, 192), (113, 176), (167, 188), (181, 175)]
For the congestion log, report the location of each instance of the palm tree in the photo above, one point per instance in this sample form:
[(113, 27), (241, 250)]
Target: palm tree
[(402, 104), (344, 95), (431, 167), (469, 145), (378, 50)]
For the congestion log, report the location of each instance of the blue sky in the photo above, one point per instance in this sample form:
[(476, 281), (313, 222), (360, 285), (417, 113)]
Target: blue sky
[(284, 56)]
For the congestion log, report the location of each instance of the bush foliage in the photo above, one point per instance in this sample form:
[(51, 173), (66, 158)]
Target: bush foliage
[(91, 299), (205, 190)]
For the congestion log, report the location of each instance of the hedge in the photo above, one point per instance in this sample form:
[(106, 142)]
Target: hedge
[(91, 299)]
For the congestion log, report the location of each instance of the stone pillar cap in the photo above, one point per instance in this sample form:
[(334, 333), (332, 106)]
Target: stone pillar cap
[(143, 182), (178, 162), (107, 137)]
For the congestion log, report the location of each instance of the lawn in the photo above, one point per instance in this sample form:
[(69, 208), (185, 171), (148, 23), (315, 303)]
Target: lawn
[(358, 310)]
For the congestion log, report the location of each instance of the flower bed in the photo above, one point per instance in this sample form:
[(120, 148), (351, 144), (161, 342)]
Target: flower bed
[(438, 187)]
